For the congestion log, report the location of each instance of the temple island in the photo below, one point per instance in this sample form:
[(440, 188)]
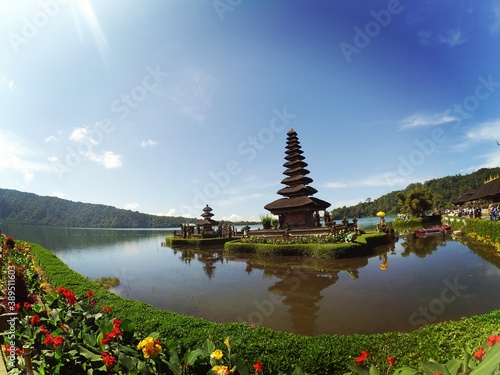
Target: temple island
[(299, 213), (304, 223)]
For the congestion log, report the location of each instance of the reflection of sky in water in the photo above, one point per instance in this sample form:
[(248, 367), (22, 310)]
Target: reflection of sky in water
[(299, 294)]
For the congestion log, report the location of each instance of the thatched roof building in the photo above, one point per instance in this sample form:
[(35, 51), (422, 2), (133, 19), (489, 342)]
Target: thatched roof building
[(298, 209), (489, 191)]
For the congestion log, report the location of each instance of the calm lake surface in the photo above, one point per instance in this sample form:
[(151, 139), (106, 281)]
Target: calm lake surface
[(404, 286)]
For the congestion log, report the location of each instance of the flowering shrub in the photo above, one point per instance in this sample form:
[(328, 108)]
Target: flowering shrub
[(484, 361), (68, 334), (328, 238)]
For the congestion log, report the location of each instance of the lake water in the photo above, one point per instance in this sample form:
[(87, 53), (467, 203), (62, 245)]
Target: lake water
[(408, 284)]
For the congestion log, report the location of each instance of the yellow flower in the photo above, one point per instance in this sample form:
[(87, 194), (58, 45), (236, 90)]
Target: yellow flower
[(226, 341), (223, 370), (149, 346), (217, 354)]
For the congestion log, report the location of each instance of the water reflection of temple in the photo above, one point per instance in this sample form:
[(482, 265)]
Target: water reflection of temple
[(300, 285), (209, 258)]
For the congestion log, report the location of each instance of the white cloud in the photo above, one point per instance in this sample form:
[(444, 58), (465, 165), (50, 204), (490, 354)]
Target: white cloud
[(53, 159), (19, 155), (107, 159), (495, 26), (8, 83), (148, 143), (192, 94), (233, 217), (451, 37), (50, 138), (131, 206), (58, 194), (387, 179), (486, 132), (82, 134), (423, 119)]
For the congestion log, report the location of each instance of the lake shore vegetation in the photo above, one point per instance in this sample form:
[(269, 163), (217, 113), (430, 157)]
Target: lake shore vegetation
[(57, 316)]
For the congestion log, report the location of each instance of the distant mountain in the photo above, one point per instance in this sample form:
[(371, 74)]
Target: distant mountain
[(446, 188), (26, 208)]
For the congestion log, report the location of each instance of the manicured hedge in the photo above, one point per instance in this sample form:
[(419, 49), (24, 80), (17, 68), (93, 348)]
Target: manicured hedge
[(198, 242), (486, 231), (280, 351), (363, 246)]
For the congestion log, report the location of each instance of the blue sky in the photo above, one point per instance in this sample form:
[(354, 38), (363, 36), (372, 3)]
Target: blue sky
[(165, 106)]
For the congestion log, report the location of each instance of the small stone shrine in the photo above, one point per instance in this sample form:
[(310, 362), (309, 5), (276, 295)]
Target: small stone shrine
[(298, 209), (206, 224)]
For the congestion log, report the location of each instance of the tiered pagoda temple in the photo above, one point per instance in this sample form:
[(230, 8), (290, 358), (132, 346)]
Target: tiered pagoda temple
[(298, 209), (207, 223)]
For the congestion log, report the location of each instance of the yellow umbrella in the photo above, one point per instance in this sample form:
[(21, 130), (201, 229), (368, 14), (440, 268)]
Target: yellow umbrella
[(381, 214)]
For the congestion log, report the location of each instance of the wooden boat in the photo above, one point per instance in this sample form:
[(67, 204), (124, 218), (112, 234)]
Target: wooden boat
[(433, 230)]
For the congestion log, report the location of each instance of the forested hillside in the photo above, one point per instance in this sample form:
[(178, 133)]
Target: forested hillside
[(26, 208), (445, 188)]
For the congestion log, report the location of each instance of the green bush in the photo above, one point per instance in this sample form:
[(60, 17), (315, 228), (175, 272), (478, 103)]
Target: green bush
[(362, 246), (281, 351), (483, 230)]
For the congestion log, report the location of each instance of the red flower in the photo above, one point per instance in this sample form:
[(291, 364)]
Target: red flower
[(479, 354), (110, 336), (70, 296), (492, 340), (8, 350), (107, 309), (49, 339), (361, 359), (92, 302), (54, 341), (58, 341), (27, 305), (60, 289), (258, 366), (436, 373), (108, 359), (90, 293), (35, 319), (43, 330), (391, 360)]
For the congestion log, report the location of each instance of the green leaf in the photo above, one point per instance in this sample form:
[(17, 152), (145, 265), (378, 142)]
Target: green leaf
[(490, 362), (89, 340), (127, 361), (453, 365), (208, 346), (374, 370), (240, 365), (405, 371), (88, 354), (193, 355), (359, 370), (298, 371), (431, 367), (128, 326)]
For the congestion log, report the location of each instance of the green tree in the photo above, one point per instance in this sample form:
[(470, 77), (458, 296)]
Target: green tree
[(416, 201)]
